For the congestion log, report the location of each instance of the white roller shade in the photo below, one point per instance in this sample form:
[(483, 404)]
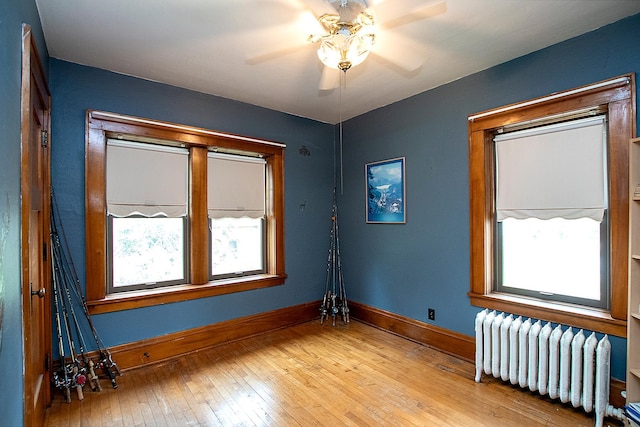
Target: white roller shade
[(235, 186), (146, 179), (555, 171)]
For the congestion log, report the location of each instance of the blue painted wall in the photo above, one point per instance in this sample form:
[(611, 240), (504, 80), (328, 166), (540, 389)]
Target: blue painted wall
[(308, 182), (14, 14), (407, 268)]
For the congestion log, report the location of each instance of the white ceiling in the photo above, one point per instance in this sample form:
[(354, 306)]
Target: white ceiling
[(244, 49)]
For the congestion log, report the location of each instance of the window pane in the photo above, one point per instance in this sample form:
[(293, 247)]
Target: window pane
[(236, 245), (147, 250), (556, 256)]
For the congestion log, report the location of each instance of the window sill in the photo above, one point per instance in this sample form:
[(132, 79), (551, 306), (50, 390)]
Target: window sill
[(577, 316), (138, 299)]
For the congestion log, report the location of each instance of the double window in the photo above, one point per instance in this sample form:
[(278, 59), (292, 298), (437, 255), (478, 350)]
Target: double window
[(175, 212)]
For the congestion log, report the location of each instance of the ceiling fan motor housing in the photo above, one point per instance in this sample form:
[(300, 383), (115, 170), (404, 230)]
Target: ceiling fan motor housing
[(348, 9)]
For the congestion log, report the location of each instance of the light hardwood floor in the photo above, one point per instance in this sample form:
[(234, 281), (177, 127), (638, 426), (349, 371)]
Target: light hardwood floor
[(313, 375)]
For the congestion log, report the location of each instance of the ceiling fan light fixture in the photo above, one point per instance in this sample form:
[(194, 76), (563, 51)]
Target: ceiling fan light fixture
[(365, 19), (350, 35), (342, 49)]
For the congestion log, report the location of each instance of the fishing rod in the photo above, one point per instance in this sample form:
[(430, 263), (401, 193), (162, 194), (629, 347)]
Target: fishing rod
[(61, 379), (75, 371), (344, 307), (87, 366), (334, 300), (105, 360), (325, 307), (328, 299), (72, 282)]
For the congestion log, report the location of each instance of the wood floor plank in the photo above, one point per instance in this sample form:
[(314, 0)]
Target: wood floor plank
[(313, 375), (244, 396), (303, 394), (277, 394)]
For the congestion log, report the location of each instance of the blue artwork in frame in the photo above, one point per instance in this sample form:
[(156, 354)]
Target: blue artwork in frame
[(386, 202)]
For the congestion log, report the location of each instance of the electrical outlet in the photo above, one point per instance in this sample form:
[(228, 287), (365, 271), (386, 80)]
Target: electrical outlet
[(432, 314)]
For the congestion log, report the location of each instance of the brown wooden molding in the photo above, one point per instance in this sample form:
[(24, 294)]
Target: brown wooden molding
[(100, 126), (616, 96), (199, 220), (177, 293), (35, 229), (166, 347), (567, 314), (159, 349), (454, 343)]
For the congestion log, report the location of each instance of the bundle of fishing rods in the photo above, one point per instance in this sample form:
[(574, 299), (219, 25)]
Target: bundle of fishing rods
[(76, 366), (334, 301)]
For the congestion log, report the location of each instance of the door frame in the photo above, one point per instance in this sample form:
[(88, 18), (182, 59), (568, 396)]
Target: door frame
[(32, 71)]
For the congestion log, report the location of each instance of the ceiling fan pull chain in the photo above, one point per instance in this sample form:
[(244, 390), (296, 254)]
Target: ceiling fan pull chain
[(343, 82)]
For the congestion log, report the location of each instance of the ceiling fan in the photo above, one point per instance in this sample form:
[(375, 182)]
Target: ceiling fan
[(350, 30)]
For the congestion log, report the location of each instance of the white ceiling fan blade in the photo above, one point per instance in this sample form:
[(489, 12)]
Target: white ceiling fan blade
[(393, 13), (274, 51), (398, 50), (281, 40), (330, 78), (320, 7)]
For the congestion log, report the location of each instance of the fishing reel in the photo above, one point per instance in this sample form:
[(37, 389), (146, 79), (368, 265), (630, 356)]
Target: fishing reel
[(110, 368), (70, 376)]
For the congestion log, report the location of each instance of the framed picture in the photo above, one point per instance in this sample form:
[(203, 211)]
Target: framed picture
[(386, 203)]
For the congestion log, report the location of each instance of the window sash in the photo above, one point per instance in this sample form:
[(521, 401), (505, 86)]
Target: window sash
[(602, 303), (241, 272), (111, 288)]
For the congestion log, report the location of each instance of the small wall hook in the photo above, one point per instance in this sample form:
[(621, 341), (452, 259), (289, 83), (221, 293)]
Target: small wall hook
[(304, 151)]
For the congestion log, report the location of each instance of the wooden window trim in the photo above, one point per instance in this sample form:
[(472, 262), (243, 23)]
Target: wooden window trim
[(99, 127), (617, 98)]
